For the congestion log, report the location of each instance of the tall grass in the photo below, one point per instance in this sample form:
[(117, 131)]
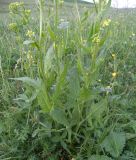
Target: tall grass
[(77, 99)]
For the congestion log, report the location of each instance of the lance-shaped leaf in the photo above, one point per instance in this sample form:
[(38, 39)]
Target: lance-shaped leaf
[(114, 143), (99, 157), (59, 116)]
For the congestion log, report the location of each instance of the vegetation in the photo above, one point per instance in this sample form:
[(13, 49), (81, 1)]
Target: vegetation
[(67, 84)]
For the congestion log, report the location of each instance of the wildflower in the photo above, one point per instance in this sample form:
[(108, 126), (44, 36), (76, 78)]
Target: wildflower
[(96, 39), (106, 23), (12, 26), (14, 6), (113, 56), (99, 80), (30, 33), (114, 74)]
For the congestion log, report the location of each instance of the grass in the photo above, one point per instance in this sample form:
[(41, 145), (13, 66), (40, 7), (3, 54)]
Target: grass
[(68, 84)]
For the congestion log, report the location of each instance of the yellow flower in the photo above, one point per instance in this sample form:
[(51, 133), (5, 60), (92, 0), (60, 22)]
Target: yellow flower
[(106, 22), (96, 39), (113, 56), (114, 74), (30, 33), (12, 26), (14, 6)]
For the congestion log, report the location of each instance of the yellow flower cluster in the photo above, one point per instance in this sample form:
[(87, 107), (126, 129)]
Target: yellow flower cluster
[(30, 33), (15, 5), (12, 26), (106, 23), (96, 39)]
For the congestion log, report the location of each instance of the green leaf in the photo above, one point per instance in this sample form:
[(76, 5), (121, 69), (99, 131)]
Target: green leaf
[(49, 59), (133, 125), (59, 116), (73, 91), (32, 43), (26, 99), (1, 127), (52, 34), (31, 82), (40, 93), (85, 16), (60, 83), (99, 157), (130, 136), (74, 84), (97, 110), (114, 143), (87, 95), (75, 116), (43, 99)]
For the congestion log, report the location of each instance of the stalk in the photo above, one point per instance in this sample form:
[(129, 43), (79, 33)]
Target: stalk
[(41, 71), (41, 19), (2, 75), (56, 14)]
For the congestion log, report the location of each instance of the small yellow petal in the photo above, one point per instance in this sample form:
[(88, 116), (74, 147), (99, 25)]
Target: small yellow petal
[(114, 74), (30, 33), (113, 55), (106, 22)]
